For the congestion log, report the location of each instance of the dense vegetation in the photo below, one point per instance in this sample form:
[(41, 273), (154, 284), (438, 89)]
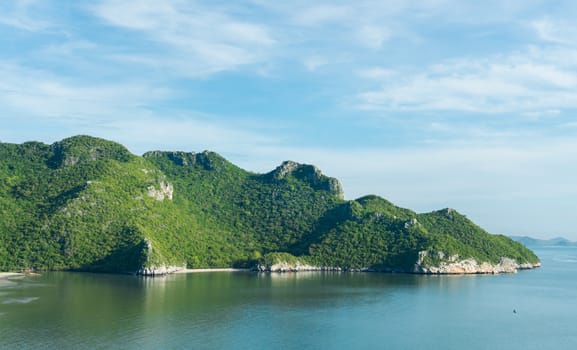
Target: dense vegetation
[(88, 204)]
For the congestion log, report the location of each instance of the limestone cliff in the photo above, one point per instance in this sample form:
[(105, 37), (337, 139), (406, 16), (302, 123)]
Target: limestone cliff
[(154, 264), (444, 265), (448, 265)]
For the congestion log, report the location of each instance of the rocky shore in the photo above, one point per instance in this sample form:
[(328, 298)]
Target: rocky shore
[(160, 270), (294, 267), (226, 269), (165, 270), (449, 265), (10, 274), (471, 266)]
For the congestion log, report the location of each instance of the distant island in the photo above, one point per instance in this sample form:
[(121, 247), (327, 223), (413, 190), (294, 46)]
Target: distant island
[(557, 242), (88, 204)]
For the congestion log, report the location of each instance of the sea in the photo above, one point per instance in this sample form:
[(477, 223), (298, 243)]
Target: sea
[(534, 309)]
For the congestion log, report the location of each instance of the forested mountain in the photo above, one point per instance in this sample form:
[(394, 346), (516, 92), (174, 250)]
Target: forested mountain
[(552, 242), (86, 203)]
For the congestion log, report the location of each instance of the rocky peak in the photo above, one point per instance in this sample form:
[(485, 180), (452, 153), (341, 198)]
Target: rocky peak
[(308, 173), (83, 149), (206, 160), (177, 157), (287, 167)]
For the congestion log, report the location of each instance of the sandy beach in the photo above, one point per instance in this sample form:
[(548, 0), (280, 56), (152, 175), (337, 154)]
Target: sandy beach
[(211, 270), (10, 274)]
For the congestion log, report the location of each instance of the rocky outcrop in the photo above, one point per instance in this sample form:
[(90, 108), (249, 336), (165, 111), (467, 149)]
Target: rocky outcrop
[(444, 265), (205, 160), (310, 174), (85, 149), (450, 265), (284, 169), (294, 267), (411, 223), (159, 270), (165, 190), (153, 265)]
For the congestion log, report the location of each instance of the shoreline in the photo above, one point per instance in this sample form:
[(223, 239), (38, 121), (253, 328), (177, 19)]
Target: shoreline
[(212, 270), (10, 274)]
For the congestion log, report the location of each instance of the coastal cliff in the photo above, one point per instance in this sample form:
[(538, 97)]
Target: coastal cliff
[(451, 266)]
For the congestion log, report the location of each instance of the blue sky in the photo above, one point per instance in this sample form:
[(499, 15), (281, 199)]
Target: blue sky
[(430, 104)]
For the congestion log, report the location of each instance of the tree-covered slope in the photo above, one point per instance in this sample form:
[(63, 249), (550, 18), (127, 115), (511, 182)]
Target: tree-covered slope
[(79, 203), (250, 214), (89, 204)]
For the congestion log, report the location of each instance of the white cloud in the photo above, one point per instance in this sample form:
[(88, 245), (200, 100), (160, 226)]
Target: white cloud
[(19, 14), (518, 83), (68, 48), (373, 36), (33, 99), (188, 132), (321, 14), (312, 63), (459, 169), (376, 73), (444, 133), (555, 31), (197, 39), (33, 93), (536, 115)]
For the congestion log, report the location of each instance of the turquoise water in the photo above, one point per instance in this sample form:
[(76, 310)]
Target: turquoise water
[(244, 310)]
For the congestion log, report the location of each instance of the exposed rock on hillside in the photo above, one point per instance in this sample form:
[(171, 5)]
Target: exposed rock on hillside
[(310, 174), (165, 190)]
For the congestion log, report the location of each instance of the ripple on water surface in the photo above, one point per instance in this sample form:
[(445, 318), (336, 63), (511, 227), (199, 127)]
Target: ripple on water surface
[(20, 300)]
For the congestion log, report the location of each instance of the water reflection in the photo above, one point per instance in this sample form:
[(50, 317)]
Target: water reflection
[(241, 309), (6, 283), (19, 300)]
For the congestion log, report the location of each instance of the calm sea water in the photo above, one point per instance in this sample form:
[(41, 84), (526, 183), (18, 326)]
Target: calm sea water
[(295, 311)]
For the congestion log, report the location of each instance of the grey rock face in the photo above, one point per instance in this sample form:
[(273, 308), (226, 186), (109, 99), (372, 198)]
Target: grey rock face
[(310, 174), (451, 265)]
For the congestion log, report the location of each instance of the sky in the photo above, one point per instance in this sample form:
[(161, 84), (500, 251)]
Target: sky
[(430, 104)]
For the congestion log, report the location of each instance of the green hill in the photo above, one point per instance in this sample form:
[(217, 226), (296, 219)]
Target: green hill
[(552, 242), (88, 204)]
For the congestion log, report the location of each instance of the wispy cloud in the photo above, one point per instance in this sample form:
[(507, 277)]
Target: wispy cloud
[(314, 62), (555, 31), (315, 15), (373, 36), (68, 48), (189, 132), (22, 14), (36, 93), (460, 171), (124, 111), (375, 73), (200, 39), (515, 83)]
